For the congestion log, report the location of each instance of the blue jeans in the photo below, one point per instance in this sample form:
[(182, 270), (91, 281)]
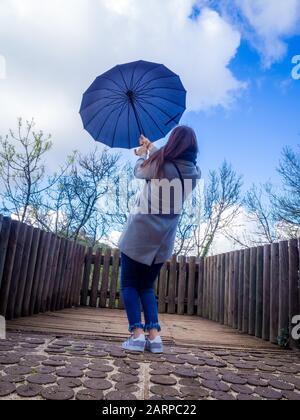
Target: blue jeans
[(137, 287)]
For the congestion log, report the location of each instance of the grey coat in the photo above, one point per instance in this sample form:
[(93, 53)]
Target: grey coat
[(149, 238)]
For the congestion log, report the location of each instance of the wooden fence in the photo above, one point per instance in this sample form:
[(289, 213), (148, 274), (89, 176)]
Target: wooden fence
[(255, 291), (39, 271)]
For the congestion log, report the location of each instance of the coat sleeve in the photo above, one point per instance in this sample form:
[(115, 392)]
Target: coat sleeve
[(199, 173), (147, 173)]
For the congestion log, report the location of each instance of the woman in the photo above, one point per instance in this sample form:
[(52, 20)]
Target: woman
[(148, 240)]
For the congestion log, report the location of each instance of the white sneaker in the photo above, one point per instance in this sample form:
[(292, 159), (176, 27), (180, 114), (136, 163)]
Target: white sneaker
[(155, 346), (135, 344)]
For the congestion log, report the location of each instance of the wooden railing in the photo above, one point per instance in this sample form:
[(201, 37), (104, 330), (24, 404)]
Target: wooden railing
[(255, 291), (39, 271)]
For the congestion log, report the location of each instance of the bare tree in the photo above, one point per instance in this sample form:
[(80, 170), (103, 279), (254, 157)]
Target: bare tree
[(213, 209), (73, 208), (287, 205), (22, 169)]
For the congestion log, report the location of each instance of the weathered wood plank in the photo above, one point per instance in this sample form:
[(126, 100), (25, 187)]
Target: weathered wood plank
[(42, 274), (241, 289), (172, 285), (266, 293), (200, 287), (252, 291), (191, 286), (294, 301), (181, 285), (13, 289), (86, 277), (96, 279), (58, 278), (105, 279), (4, 237), (236, 263), (162, 289), (259, 292), (32, 267), (22, 284), (283, 316), (245, 328), (274, 293), (8, 266), (222, 289), (114, 279)]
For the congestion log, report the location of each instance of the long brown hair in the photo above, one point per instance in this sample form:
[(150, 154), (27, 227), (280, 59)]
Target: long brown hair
[(181, 140)]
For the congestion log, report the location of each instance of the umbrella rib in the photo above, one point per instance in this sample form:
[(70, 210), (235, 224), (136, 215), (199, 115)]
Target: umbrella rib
[(141, 78), (157, 78), (100, 110), (145, 110), (133, 74), (106, 119), (163, 87), (160, 97), (155, 106), (117, 122), (122, 75), (98, 100), (98, 90), (113, 81)]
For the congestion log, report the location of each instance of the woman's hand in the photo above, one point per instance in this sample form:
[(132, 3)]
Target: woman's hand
[(141, 151), (146, 142)]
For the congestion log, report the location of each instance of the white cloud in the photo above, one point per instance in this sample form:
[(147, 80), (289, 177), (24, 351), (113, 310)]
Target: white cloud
[(272, 21), (55, 50), (2, 67)]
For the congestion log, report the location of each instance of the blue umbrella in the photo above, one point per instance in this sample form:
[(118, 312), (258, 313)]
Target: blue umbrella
[(130, 100)]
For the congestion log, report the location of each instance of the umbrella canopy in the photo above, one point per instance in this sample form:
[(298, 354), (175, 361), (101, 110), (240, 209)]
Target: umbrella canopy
[(130, 100)]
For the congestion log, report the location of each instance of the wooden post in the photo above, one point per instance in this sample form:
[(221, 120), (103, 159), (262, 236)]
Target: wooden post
[(283, 319), (252, 291), (43, 272), (64, 272), (162, 289), (114, 279), (205, 295), (294, 301), (231, 290), (48, 274), (236, 263), (58, 278), (172, 285), (191, 286), (105, 279), (4, 237), (241, 290), (245, 328), (78, 275), (226, 303), (181, 285), (32, 267), (70, 276), (215, 289), (8, 267), (13, 289), (222, 288), (259, 292), (24, 273), (274, 294), (266, 293), (86, 277), (96, 278), (200, 287)]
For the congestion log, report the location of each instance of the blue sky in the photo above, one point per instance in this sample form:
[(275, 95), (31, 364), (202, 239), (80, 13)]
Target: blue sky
[(264, 119), (234, 58)]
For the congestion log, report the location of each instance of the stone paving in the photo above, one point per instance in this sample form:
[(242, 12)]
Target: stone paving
[(47, 367)]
